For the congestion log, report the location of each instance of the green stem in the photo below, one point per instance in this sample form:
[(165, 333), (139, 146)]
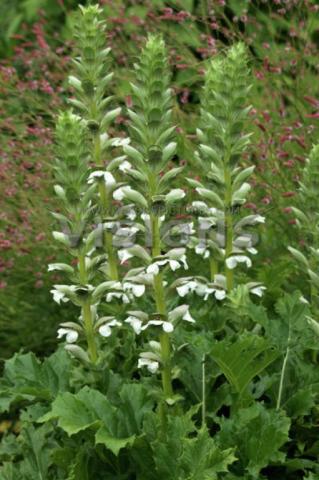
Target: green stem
[(159, 294), (203, 391), (105, 209), (87, 314), (89, 331), (213, 264), (228, 227), (112, 259), (282, 378), (283, 370), (82, 269)]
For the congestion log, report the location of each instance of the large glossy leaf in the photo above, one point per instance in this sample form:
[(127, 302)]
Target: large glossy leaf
[(243, 359), (257, 434), (116, 427), (188, 454), (26, 378), (31, 457)]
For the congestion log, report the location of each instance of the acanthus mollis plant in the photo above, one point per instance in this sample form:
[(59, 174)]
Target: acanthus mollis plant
[(91, 82), (224, 238), (149, 154), (79, 237), (96, 423), (307, 220)]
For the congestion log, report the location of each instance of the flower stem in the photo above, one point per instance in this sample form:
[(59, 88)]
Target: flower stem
[(105, 209), (283, 371), (87, 314), (213, 268), (228, 227), (203, 391), (89, 331), (159, 295)]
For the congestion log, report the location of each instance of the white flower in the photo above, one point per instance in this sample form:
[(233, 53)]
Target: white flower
[(109, 180), (201, 249), (205, 223), (259, 291), (178, 254), (199, 205), (130, 214), (71, 336), (136, 289), (106, 329), (58, 296), (135, 323), (173, 264), (201, 289), (124, 255), (125, 166), (151, 365), (60, 292), (204, 291), (166, 326), (119, 194), (180, 312), (220, 294), (120, 295), (120, 142), (153, 269), (232, 261), (186, 288)]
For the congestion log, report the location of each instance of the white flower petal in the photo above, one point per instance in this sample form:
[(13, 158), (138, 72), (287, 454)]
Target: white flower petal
[(71, 336), (188, 318), (182, 311), (105, 330), (118, 194), (174, 265), (120, 142), (153, 269), (168, 327), (182, 290), (124, 255), (125, 166), (135, 323), (151, 365), (232, 261), (109, 180), (186, 288), (259, 291), (97, 174), (59, 296), (138, 290), (220, 294)]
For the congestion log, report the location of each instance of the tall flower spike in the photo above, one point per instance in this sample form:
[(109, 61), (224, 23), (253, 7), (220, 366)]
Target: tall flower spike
[(90, 84), (71, 172), (223, 141), (308, 221), (152, 147)]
